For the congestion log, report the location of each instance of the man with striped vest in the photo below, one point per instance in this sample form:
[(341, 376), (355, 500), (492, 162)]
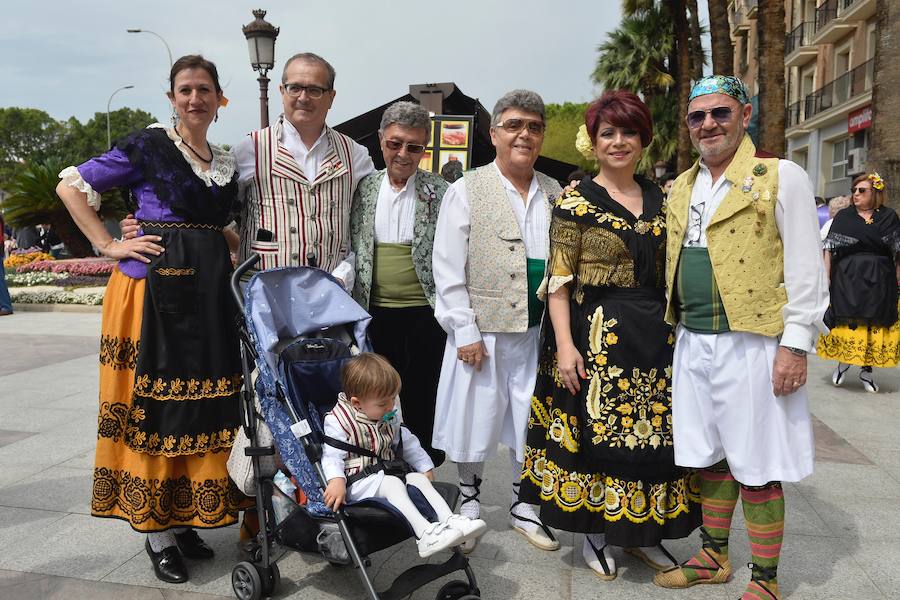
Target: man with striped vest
[(298, 177)]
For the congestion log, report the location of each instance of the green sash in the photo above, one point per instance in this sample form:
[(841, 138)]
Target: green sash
[(536, 268), (394, 280), (699, 304)]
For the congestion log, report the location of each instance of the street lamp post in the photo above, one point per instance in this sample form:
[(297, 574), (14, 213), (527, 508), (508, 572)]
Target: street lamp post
[(168, 50), (108, 102), (261, 36)]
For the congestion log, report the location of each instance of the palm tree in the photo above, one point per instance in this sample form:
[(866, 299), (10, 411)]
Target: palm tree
[(678, 10), (32, 200), (720, 38), (770, 28), (635, 58)]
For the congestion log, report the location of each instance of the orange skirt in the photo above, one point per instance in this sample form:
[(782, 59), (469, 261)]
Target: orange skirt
[(151, 492)]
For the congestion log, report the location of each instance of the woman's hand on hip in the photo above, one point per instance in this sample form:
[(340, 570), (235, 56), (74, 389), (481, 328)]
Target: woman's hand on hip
[(135, 248), (472, 354), (570, 366)]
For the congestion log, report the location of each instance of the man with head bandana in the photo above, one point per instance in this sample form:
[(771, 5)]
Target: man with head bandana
[(747, 291)]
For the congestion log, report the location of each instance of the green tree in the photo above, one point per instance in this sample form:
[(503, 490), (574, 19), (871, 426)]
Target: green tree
[(563, 121), (82, 141), (32, 200), (25, 134)]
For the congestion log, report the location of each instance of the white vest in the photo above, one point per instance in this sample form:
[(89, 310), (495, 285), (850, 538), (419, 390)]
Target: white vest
[(496, 269)]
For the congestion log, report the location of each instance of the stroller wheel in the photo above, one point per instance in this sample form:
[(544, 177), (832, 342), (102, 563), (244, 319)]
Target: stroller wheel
[(246, 582), (455, 590), (271, 579)]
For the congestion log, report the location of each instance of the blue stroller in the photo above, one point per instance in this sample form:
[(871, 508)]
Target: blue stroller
[(299, 327)]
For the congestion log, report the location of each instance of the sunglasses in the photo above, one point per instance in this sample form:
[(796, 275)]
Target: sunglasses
[(411, 148), (859, 190), (720, 114), (517, 125), (312, 91)]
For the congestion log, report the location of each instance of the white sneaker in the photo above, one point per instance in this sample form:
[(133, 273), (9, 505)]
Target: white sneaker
[(436, 538), (470, 528), (868, 381), (523, 519), (837, 378)]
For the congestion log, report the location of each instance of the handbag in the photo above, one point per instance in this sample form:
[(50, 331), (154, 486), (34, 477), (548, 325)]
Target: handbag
[(240, 466)]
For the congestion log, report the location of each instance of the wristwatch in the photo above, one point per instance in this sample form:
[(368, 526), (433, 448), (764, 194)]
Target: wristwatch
[(795, 351)]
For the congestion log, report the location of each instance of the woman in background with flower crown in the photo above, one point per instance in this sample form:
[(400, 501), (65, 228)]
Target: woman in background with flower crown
[(861, 252), (599, 457)]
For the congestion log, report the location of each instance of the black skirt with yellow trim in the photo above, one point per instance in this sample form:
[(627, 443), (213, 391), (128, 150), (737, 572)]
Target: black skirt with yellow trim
[(169, 383)]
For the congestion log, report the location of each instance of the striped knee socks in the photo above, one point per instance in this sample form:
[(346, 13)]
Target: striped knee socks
[(764, 514)]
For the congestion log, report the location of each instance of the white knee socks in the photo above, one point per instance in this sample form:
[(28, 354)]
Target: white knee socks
[(161, 540)]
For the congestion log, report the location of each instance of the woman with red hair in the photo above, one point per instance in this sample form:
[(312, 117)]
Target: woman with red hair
[(599, 456)]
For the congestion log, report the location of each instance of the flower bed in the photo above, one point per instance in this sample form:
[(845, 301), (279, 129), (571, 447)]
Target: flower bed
[(35, 278), (18, 260), (55, 297), (80, 266)]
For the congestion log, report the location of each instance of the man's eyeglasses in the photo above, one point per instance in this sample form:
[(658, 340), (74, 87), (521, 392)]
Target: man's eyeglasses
[(859, 190), (411, 148), (312, 91), (517, 125), (720, 114)]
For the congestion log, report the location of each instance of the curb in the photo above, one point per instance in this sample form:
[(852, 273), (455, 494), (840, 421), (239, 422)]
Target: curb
[(72, 308)]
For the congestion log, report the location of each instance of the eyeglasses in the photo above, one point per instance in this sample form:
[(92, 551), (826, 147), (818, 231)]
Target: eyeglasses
[(859, 190), (312, 91), (517, 125), (720, 114), (411, 148)]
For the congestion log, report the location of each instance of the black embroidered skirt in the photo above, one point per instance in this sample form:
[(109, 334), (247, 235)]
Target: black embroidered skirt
[(602, 460), (169, 383)]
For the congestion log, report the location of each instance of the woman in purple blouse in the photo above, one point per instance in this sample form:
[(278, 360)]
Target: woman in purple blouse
[(169, 364)]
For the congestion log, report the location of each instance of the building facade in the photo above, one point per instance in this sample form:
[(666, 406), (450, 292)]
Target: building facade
[(829, 68)]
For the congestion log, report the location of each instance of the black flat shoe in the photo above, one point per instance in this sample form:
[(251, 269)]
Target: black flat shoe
[(192, 546), (167, 564)]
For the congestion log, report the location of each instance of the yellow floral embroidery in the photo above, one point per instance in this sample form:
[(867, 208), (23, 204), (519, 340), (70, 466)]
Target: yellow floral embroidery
[(613, 497), (178, 389)]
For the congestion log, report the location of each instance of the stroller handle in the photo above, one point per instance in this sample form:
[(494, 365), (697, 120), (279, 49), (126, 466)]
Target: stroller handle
[(236, 278)]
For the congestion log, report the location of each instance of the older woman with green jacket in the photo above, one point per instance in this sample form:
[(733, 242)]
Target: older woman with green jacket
[(392, 224)]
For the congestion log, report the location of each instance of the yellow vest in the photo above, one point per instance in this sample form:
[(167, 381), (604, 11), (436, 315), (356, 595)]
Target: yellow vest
[(745, 248)]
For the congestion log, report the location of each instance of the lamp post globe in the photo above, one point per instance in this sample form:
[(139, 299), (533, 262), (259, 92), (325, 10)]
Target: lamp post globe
[(261, 36)]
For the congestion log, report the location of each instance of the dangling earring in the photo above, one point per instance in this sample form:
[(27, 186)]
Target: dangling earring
[(216, 119), (174, 120)]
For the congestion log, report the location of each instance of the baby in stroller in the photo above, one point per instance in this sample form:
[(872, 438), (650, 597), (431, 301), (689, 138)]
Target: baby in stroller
[(365, 417)]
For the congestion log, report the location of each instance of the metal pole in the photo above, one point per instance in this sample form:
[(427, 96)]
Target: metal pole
[(108, 102), (168, 50), (263, 100)]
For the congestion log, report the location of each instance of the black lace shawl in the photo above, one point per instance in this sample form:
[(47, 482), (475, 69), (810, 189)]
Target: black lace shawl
[(166, 169)]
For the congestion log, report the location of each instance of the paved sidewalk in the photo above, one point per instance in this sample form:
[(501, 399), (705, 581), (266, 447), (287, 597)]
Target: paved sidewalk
[(843, 523)]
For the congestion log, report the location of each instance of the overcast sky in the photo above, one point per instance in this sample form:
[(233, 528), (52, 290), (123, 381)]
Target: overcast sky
[(67, 58)]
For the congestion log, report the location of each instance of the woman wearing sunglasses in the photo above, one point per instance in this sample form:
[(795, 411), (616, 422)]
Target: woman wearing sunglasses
[(599, 456), (392, 226), (861, 257)]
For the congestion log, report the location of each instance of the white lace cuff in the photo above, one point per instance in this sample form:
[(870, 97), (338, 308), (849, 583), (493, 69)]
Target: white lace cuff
[(72, 178), (551, 284)]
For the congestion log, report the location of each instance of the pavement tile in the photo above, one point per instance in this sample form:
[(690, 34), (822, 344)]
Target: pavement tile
[(8, 436), (17, 524), (44, 350), (66, 588), (36, 420), (61, 489), (72, 546)]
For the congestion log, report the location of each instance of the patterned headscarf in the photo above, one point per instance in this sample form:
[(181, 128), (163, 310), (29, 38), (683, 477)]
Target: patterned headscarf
[(720, 84)]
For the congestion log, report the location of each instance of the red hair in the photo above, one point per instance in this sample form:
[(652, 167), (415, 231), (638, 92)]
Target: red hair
[(620, 108)]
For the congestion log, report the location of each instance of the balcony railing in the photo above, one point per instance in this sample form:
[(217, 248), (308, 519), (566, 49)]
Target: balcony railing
[(849, 85), (794, 114), (800, 36), (827, 12)]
